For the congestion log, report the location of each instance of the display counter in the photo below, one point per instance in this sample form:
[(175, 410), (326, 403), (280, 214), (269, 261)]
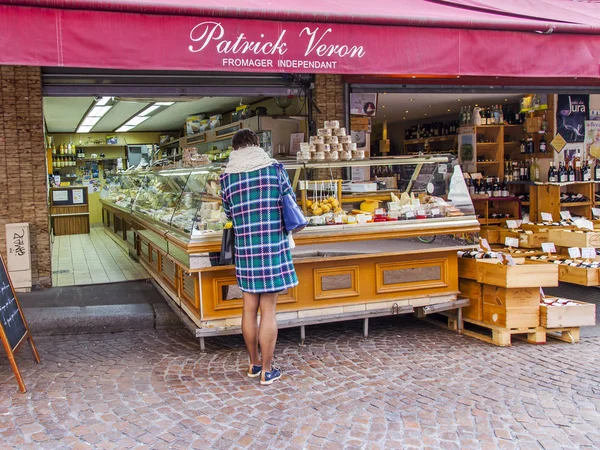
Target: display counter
[(69, 210), (350, 264)]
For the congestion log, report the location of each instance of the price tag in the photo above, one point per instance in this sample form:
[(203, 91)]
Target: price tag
[(548, 247), (565, 215), (512, 224), (420, 212), (547, 217), (416, 202), (509, 260), (596, 213), (511, 242), (584, 223), (442, 168), (574, 252), (485, 244), (588, 252), (435, 211), (410, 214)]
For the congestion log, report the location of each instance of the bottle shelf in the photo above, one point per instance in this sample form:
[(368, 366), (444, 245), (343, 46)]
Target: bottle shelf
[(450, 137)]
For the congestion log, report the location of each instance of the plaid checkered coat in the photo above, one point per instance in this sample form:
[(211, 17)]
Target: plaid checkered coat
[(263, 262)]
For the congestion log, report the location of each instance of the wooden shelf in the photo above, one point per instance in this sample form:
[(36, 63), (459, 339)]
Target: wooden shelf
[(450, 137), (486, 144), (488, 162), (569, 204), (488, 126), (525, 203)]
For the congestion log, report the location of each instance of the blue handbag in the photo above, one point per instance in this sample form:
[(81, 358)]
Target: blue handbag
[(293, 217)]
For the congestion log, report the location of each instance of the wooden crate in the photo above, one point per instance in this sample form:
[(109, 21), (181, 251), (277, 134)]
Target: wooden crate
[(511, 307), (491, 234), (566, 238), (578, 275), (583, 315), (526, 240), (541, 228), (474, 292), (519, 276), (467, 268)]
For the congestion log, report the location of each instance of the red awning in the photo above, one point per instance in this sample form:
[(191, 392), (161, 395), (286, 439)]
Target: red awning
[(507, 38), (562, 15)]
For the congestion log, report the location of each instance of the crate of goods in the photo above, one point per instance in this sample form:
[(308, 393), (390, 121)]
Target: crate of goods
[(467, 268), (518, 276), (474, 292), (527, 238), (569, 238), (545, 227), (511, 307), (578, 275), (491, 234), (563, 313)]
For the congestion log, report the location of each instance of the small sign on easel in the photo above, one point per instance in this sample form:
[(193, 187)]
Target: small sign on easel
[(13, 326)]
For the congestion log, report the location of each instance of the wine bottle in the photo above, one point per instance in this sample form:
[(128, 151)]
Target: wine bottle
[(587, 171), (570, 172), (577, 169), (543, 146), (562, 173), (597, 171), (530, 145)]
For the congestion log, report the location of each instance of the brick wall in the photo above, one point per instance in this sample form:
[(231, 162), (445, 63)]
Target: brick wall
[(23, 163), (329, 97)]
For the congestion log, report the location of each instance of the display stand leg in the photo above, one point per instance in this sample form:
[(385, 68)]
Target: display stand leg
[(459, 320), (302, 334), (366, 328), (36, 356), (202, 345)]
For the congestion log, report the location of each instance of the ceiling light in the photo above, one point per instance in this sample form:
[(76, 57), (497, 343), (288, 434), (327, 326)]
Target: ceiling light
[(84, 129), (411, 99), (99, 111), (136, 120), (90, 121), (406, 111), (448, 110), (384, 93), (476, 104), (457, 76), (430, 106), (149, 110), (164, 103), (404, 117), (123, 129), (505, 99), (425, 113), (103, 101), (458, 99), (383, 106)]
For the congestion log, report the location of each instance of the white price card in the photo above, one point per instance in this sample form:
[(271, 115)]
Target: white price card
[(511, 242), (574, 252), (548, 247), (410, 214), (565, 215), (588, 252), (513, 224), (435, 211), (596, 213), (442, 168), (484, 244), (584, 224), (509, 260), (547, 217)]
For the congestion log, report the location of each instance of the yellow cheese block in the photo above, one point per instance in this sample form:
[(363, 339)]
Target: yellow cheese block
[(369, 206)]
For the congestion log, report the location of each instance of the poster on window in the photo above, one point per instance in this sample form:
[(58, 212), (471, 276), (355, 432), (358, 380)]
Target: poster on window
[(363, 104), (571, 113), (592, 138)]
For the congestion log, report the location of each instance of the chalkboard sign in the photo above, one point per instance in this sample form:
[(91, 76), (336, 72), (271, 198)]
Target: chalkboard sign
[(10, 314), (13, 327)]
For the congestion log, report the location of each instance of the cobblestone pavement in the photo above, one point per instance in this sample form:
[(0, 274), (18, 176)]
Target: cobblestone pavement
[(410, 385)]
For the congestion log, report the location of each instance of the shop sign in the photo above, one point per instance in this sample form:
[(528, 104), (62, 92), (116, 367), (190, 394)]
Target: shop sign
[(571, 113)]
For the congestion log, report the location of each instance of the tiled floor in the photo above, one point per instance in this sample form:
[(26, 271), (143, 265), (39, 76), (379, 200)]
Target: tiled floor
[(91, 259)]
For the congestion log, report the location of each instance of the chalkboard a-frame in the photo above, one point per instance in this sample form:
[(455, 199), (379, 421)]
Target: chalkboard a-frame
[(13, 326)]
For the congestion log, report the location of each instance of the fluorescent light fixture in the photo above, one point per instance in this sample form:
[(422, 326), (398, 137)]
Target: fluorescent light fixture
[(99, 111), (149, 110), (84, 129), (103, 101), (124, 129), (90, 121), (164, 103), (137, 120)]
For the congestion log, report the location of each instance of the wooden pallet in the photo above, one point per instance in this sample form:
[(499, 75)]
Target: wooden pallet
[(502, 337), (570, 335)]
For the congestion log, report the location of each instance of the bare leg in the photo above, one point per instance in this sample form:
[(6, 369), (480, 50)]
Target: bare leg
[(250, 326), (267, 334)]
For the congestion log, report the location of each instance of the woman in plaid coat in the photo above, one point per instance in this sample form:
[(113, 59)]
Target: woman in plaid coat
[(263, 262)]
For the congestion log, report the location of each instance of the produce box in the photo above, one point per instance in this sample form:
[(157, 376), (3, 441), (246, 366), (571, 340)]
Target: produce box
[(474, 292), (543, 227), (578, 275), (573, 314), (568, 238), (511, 307), (522, 275), (467, 268), (526, 240)]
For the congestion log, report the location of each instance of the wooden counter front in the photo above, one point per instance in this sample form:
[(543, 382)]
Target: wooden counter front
[(69, 210)]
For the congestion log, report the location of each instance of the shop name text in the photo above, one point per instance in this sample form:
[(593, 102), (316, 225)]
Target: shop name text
[(207, 34)]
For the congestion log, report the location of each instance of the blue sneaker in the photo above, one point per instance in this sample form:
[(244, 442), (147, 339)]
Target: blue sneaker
[(269, 377), (254, 371)]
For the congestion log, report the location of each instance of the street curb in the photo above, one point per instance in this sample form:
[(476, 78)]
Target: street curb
[(94, 319)]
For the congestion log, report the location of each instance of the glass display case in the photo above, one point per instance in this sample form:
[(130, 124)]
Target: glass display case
[(184, 201), (121, 189)]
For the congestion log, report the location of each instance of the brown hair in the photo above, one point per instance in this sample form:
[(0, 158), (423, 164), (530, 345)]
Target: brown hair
[(244, 138)]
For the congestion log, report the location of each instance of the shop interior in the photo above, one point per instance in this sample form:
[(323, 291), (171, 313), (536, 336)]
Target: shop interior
[(92, 138)]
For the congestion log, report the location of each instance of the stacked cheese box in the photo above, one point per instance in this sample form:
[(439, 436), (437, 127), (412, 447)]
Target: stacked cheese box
[(331, 144)]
